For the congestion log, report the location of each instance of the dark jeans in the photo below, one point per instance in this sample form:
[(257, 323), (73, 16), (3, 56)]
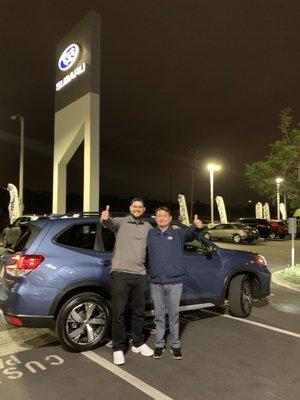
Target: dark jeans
[(127, 290)]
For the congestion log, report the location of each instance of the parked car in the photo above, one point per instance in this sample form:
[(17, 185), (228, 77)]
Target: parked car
[(280, 229), (12, 231), (262, 225), (57, 275), (235, 232)]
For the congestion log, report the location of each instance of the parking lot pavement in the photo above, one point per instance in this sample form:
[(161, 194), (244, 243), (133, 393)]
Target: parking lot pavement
[(224, 358), (277, 251)]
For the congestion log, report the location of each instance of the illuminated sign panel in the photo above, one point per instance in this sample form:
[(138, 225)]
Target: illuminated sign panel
[(66, 60), (68, 57)]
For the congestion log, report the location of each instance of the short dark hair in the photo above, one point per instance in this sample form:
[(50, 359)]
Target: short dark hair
[(163, 208), (139, 199)]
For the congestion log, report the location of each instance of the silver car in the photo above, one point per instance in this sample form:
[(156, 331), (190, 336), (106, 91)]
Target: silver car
[(234, 232), (12, 232)]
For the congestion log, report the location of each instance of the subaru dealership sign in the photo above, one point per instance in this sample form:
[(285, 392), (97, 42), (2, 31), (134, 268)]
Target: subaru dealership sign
[(66, 60)]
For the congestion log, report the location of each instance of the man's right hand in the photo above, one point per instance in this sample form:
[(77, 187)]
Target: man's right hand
[(105, 214)]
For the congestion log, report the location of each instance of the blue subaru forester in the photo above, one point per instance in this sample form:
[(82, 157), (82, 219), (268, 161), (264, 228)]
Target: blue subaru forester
[(57, 275)]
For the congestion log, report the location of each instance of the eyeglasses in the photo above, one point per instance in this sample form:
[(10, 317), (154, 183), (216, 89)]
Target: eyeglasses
[(139, 207)]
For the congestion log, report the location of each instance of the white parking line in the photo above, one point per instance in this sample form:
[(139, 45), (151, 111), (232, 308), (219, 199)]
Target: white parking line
[(248, 321), (132, 380)]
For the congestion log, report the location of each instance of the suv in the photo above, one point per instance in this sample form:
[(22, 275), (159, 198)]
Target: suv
[(280, 229), (57, 275), (262, 225)]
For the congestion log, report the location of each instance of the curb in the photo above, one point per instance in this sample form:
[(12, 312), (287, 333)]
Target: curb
[(282, 282)]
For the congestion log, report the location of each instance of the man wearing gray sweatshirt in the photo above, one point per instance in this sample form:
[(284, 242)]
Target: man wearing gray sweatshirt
[(128, 278)]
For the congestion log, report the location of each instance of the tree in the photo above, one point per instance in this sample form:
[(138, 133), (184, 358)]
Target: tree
[(283, 161)]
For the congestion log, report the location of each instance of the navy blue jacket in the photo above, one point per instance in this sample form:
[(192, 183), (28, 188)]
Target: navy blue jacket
[(165, 253)]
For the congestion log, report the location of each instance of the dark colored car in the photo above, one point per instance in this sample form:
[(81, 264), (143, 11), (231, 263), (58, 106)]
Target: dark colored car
[(235, 232), (57, 275), (262, 225), (280, 229)]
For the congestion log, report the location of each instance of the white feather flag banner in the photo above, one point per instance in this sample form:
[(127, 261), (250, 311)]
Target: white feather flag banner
[(258, 210), (184, 215), (266, 210), (282, 209), (221, 209), (13, 207)]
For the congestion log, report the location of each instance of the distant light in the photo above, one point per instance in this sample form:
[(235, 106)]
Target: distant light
[(278, 180), (213, 167)]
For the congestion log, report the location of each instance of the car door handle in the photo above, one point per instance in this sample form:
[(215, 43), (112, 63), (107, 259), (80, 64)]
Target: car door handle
[(104, 263)]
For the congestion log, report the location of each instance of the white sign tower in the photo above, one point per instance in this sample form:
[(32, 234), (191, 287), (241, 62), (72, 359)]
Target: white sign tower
[(77, 110)]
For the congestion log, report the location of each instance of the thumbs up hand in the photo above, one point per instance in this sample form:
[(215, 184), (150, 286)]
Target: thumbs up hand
[(105, 214), (197, 222)]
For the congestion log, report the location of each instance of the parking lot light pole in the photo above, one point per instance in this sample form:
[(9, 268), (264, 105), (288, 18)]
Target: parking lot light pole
[(278, 182), (21, 165), (212, 168)]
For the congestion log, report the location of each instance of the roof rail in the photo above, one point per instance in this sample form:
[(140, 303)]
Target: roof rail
[(79, 214)]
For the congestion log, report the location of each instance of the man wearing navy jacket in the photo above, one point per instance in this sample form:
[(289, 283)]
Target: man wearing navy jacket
[(165, 250)]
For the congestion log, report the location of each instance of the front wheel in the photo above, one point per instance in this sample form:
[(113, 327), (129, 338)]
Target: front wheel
[(240, 296), (237, 238), (273, 235), (83, 322)]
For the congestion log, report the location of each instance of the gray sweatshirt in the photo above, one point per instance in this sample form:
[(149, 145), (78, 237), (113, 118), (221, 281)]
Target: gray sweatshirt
[(130, 248)]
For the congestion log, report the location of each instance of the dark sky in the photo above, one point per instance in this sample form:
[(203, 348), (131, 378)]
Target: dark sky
[(175, 75)]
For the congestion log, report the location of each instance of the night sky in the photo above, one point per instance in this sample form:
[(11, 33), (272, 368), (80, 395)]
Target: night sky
[(176, 75)]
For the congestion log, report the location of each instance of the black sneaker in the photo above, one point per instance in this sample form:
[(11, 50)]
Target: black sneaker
[(158, 352), (176, 353)]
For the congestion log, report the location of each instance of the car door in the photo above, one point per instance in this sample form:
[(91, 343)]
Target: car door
[(202, 265), (229, 231), (217, 232), (103, 255)]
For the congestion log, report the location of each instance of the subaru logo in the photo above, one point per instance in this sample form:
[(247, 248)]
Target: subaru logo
[(68, 57)]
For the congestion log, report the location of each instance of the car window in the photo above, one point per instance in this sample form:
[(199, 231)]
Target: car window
[(195, 246), (218, 227), (81, 236)]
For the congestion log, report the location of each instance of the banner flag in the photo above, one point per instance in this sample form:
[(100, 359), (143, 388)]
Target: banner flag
[(266, 212), (258, 210), (13, 207), (183, 211), (282, 210), (221, 209)]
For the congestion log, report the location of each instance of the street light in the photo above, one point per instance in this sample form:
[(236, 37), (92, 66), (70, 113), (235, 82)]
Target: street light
[(212, 168), (21, 165), (278, 181)]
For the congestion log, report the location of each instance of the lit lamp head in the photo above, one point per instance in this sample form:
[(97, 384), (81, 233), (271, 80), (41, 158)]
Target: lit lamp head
[(14, 117), (213, 167), (278, 181)]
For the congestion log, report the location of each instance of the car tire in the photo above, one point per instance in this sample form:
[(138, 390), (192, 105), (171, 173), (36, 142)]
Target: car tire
[(240, 296), (272, 235), (73, 318), (207, 236), (236, 238)]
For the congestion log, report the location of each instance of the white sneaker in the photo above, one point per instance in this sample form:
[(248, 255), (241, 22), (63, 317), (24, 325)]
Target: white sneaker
[(144, 350), (119, 358)]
